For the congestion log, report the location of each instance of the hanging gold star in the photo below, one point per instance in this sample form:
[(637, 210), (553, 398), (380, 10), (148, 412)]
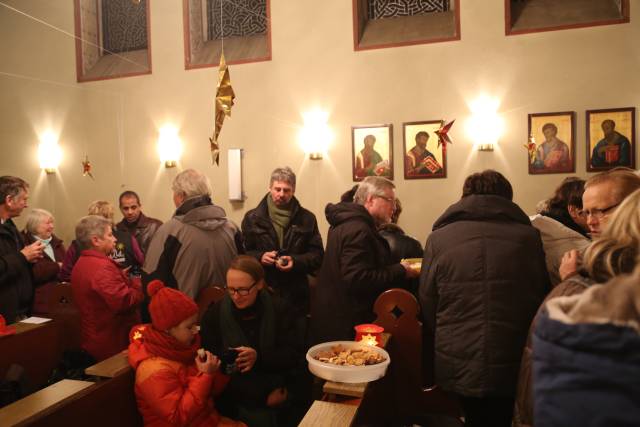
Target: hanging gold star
[(224, 102)]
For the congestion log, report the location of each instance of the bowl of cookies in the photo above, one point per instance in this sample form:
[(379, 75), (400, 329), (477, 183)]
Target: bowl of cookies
[(348, 361)]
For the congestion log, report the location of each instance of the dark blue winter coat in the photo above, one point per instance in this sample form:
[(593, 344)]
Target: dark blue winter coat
[(585, 374)]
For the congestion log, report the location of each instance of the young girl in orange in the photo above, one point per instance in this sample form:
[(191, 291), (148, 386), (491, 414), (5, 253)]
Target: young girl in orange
[(173, 383)]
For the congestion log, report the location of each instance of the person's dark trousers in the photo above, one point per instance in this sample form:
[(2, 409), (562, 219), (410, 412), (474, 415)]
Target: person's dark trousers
[(487, 411)]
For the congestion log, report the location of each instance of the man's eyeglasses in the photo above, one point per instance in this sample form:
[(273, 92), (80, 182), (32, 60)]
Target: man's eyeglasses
[(599, 213), (388, 199), (241, 291)]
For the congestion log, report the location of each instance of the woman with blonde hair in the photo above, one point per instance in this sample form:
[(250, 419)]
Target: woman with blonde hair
[(613, 254), (126, 253)]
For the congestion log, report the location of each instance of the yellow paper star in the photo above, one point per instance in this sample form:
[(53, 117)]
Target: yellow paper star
[(224, 102)]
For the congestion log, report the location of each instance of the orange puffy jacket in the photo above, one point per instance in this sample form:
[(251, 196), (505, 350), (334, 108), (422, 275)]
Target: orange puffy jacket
[(170, 393)]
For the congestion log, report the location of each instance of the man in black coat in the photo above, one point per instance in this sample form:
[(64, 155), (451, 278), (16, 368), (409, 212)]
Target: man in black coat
[(16, 281), (284, 237), (483, 278), (357, 266)]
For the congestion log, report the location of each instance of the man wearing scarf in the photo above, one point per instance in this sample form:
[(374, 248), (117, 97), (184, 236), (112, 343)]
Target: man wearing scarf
[(284, 237), (193, 250)]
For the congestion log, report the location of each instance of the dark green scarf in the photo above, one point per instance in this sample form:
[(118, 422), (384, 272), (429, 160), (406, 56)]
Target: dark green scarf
[(232, 334), (279, 218)]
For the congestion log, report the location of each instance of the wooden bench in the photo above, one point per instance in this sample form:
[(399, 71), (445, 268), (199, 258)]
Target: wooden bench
[(110, 368), (397, 312), (40, 403), (36, 347), (329, 414)]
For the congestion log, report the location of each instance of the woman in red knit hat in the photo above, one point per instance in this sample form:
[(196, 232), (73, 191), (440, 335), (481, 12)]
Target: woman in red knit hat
[(174, 382)]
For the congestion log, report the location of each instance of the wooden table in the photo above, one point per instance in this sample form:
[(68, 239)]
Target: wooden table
[(111, 367), (352, 389), (329, 414), (45, 400)]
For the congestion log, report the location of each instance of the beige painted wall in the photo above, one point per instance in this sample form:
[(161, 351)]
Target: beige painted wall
[(116, 121)]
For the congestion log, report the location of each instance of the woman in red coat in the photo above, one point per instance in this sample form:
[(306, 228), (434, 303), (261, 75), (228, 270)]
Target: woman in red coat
[(106, 298), (174, 381), (39, 227)]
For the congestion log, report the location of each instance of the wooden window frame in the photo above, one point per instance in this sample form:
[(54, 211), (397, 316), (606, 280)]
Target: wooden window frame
[(359, 24), (626, 18)]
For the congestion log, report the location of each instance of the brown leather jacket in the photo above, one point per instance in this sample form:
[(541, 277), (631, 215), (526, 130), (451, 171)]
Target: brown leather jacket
[(145, 229)]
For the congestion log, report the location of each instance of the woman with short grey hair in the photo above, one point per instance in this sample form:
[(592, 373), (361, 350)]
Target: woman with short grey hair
[(39, 227)]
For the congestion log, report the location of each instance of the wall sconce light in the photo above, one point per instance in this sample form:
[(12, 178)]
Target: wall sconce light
[(169, 146), (49, 152), (315, 136), (485, 126)]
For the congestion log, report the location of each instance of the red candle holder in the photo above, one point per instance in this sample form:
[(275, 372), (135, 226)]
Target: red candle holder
[(369, 334)]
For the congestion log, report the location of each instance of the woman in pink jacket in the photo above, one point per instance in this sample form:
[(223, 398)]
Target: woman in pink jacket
[(174, 383)]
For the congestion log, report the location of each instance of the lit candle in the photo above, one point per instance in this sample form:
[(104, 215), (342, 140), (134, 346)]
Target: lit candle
[(369, 334)]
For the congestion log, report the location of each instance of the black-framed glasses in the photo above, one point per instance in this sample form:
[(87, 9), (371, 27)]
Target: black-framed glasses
[(599, 213), (241, 291)]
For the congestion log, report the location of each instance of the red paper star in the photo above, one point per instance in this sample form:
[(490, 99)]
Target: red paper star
[(443, 135)]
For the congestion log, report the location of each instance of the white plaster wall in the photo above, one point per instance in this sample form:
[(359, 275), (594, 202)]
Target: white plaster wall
[(116, 121)]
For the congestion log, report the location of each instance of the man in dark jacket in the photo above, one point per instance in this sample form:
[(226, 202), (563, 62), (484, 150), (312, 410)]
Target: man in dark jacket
[(357, 266), (483, 278), (16, 282), (135, 222), (284, 237)]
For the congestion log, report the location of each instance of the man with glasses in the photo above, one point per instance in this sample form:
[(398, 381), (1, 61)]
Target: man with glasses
[(284, 237), (602, 195), (357, 266)]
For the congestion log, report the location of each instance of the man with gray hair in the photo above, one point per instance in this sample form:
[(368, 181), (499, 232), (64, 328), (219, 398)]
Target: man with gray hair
[(284, 237), (193, 249), (357, 265), (16, 285)]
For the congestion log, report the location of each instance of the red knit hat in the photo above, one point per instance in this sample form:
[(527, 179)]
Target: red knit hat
[(168, 306)]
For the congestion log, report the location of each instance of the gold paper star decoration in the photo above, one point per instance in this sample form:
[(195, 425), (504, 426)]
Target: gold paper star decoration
[(224, 102)]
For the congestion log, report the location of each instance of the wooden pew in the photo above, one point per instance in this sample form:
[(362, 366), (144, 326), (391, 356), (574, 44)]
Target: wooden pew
[(63, 310), (104, 404), (329, 414), (36, 347), (112, 367), (38, 404), (206, 297), (397, 312)]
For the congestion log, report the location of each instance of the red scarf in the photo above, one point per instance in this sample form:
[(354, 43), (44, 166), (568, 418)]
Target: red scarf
[(164, 345)]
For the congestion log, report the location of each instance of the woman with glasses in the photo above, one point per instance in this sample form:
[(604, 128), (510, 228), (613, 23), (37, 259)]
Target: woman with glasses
[(613, 254), (254, 326)]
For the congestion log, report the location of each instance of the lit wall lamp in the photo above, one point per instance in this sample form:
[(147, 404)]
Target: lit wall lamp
[(485, 126), (169, 146), (49, 152), (315, 136)]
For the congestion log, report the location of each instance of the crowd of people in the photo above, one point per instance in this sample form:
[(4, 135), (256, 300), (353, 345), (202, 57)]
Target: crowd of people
[(518, 312)]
